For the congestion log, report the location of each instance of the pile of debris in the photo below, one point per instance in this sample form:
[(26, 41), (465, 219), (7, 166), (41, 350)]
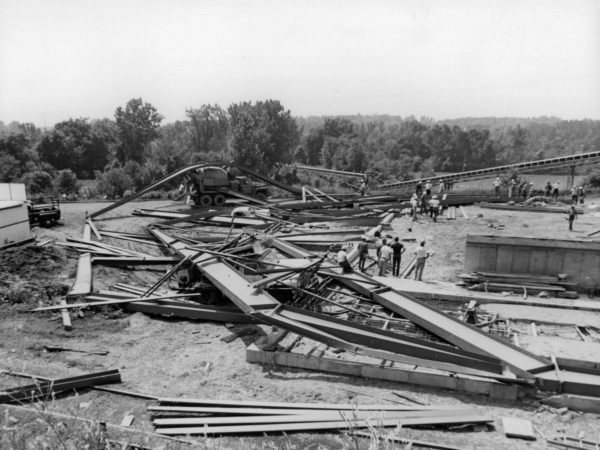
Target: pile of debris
[(262, 270), (540, 285)]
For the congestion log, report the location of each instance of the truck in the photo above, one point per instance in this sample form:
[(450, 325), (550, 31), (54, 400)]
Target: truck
[(45, 212), (210, 186)]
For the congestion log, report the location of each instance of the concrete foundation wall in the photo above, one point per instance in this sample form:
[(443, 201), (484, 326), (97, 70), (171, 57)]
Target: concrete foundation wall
[(579, 259)]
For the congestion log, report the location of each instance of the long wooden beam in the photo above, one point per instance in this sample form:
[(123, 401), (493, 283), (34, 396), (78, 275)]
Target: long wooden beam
[(330, 425)]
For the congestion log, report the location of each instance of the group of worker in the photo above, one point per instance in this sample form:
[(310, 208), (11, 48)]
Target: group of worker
[(389, 252)]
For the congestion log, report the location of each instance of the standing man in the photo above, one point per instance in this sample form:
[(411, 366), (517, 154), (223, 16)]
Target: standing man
[(511, 188), (414, 204), (581, 194), (497, 184), (441, 187), (422, 255), (384, 258), (530, 190), (555, 190), (574, 194), (342, 259), (572, 216), (548, 189), (398, 249), (419, 189), (434, 208), (524, 186), (428, 187), (363, 188), (363, 251)]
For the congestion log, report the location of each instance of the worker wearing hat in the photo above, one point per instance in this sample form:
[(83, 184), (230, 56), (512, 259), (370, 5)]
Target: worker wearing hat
[(342, 259)]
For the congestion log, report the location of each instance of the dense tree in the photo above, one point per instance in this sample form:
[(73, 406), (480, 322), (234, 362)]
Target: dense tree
[(261, 134), (209, 126), (37, 182), (77, 145), (16, 156), (138, 125)]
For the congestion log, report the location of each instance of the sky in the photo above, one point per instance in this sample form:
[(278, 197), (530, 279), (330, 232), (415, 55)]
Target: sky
[(62, 59)]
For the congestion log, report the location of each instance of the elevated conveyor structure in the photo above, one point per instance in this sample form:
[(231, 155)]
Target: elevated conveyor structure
[(530, 166)]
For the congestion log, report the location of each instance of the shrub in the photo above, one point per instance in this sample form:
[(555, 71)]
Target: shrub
[(66, 182), (38, 182), (114, 182)]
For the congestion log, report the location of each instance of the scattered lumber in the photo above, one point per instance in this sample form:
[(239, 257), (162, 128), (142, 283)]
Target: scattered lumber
[(47, 388), (244, 417), (50, 348)]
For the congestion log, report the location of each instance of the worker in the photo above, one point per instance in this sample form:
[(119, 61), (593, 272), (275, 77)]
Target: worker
[(548, 189), (441, 187), (414, 204), (428, 187), (574, 195), (419, 189), (363, 252), (421, 255), (572, 216), (581, 193), (531, 190), (398, 249), (525, 189), (342, 259), (497, 184), (555, 190), (363, 188), (384, 258), (434, 207), (511, 188), (378, 243)]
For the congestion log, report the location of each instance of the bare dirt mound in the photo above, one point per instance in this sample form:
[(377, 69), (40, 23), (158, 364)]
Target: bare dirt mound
[(32, 275)]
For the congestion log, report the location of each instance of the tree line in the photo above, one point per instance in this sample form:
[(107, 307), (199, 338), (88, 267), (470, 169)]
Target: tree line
[(135, 146)]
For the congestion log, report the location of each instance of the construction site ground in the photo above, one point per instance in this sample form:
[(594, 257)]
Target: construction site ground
[(178, 358)]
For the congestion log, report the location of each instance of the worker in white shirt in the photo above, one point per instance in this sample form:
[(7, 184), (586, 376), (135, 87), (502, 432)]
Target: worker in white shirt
[(385, 255), (497, 184), (434, 208), (342, 259), (422, 255)]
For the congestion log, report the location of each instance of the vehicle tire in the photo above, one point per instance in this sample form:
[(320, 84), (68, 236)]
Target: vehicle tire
[(206, 200), (219, 200), (262, 196)]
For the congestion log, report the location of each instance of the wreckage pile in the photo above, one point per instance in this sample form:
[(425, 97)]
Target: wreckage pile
[(264, 269)]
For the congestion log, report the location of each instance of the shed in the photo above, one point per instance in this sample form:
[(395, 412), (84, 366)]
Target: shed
[(14, 223)]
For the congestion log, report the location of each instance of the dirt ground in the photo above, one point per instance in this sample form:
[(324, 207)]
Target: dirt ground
[(179, 358)]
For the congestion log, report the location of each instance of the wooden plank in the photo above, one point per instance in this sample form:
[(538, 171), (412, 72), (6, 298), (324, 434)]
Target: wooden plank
[(83, 279), (311, 416), (113, 302), (518, 428), (94, 229), (66, 318), (314, 426), (206, 410)]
